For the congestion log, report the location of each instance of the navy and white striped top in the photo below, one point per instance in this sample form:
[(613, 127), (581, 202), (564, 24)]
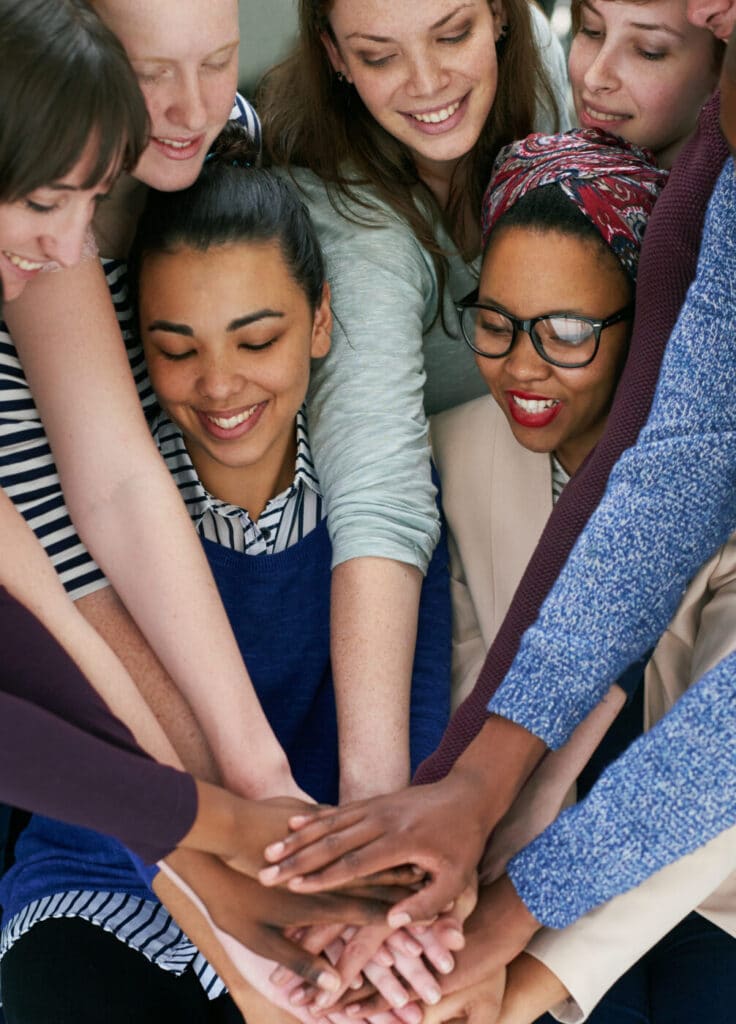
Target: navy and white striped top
[(286, 519), (27, 471)]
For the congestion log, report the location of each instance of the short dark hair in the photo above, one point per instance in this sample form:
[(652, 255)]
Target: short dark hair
[(232, 201), (65, 80)]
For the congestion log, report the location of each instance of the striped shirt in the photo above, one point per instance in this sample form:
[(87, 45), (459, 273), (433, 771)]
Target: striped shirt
[(27, 471), (560, 477), (286, 519)]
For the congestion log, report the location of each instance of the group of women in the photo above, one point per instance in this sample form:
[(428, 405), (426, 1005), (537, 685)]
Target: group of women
[(232, 468)]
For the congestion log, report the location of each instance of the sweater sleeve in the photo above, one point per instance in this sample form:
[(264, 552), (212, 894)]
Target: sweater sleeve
[(669, 504), (368, 429), (62, 754), (667, 795)]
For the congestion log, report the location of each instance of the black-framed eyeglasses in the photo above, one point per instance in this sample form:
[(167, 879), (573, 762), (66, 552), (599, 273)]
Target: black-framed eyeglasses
[(563, 339)]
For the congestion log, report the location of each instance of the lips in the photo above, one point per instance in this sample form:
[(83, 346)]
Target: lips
[(440, 119), (535, 411), (178, 149), (591, 117), (228, 425)]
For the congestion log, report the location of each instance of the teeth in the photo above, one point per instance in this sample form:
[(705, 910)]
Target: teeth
[(598, 115), (227, 423), (174, 144), (534, 405), (437, 116), (21, 262)]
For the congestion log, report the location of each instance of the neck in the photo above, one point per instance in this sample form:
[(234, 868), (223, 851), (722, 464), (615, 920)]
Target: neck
[(249, 487)]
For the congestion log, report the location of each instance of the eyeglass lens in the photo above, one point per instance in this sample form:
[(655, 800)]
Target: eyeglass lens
[(564, 339)]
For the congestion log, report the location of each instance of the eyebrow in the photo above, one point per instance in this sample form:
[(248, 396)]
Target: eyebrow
[(172, 60), (646, 26), (242, 321), (171, 328), (432, 28), (250, 318)]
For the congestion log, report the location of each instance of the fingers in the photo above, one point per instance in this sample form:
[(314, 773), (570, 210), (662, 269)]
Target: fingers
[(429, 901), (309, 829), (313, 969), (434, 948), (418, 977), (330, 862)]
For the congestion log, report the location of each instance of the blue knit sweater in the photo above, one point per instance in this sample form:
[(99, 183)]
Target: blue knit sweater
[(670, 502)]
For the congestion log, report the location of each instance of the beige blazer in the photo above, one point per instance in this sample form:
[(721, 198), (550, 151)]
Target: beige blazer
[(497, 497)]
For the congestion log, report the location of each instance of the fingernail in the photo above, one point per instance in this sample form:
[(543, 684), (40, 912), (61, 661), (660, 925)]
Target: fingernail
[(384, 958), (354, 1010), (322, 1001), (295, 882), (413, 1015), (446, 964), (298, 820), (399, 1001), (433, 996), (268, 875), (298, 997), (399, 920), (280, 975), (328, 981), (412, 948), (275, 850)]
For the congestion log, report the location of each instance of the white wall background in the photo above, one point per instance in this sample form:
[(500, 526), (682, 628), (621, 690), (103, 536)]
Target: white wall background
[(267, 28)]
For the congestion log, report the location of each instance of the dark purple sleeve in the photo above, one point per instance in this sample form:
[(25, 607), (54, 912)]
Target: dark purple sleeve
[(667, 266), (63, 754)]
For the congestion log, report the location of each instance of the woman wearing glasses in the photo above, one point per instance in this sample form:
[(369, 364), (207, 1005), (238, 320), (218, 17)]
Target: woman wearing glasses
[(549, 328)]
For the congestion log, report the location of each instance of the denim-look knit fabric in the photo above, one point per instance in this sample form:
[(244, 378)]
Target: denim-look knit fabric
[(670, 502)]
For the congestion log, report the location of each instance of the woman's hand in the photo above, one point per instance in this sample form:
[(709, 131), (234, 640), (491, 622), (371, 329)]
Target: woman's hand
[(441, 829)]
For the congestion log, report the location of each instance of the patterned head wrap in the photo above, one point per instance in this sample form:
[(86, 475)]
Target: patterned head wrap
[(613, 183)]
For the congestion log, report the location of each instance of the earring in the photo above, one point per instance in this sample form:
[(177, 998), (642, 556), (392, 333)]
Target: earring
[(341, 77), (503, 33)]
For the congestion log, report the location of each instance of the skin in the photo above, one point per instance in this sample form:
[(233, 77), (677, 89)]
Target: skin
[(718, 16), (641, 71), (188, 75), (530, 272), (202, 368), (48, 225), (421, 58)]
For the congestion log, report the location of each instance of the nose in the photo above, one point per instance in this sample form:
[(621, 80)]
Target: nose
[(699, 12), (187, 108), (427, 77), (524, 363), (65, 242), (601, 75), (219, 380)]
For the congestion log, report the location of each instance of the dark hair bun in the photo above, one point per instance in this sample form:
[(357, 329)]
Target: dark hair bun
[(233, 147)]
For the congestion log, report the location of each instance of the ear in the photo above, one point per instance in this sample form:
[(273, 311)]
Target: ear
[(322, 327), (500, 19), (334, 55)]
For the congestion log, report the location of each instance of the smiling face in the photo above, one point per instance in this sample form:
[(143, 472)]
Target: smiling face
[(228, 335), (185, 53), (48, 225), (528, 272), (641, 71), (425, 69)]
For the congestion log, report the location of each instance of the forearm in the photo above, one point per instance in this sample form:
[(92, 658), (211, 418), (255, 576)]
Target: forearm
[(129, 513), (649, 808), (531, 990), (373, 627), (104, 611)]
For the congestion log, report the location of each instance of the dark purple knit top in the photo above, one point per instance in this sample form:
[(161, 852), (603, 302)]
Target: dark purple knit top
[(64, 755)]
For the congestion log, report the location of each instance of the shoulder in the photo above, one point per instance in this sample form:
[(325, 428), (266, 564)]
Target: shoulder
[(466, 426)]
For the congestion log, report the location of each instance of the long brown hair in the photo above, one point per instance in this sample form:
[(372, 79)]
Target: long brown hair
[(312, 119)]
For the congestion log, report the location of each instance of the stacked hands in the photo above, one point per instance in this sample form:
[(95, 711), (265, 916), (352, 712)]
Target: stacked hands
[(370, 911)]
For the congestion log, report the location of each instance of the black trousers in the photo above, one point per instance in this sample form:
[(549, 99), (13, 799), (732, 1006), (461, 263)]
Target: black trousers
[(72, 972)]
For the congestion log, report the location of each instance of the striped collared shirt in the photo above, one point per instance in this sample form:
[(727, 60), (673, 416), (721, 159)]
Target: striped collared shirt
[(286, 519), (560, 477)]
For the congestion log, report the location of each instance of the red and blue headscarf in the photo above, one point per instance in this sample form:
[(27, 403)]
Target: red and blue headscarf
[(612, 182)]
